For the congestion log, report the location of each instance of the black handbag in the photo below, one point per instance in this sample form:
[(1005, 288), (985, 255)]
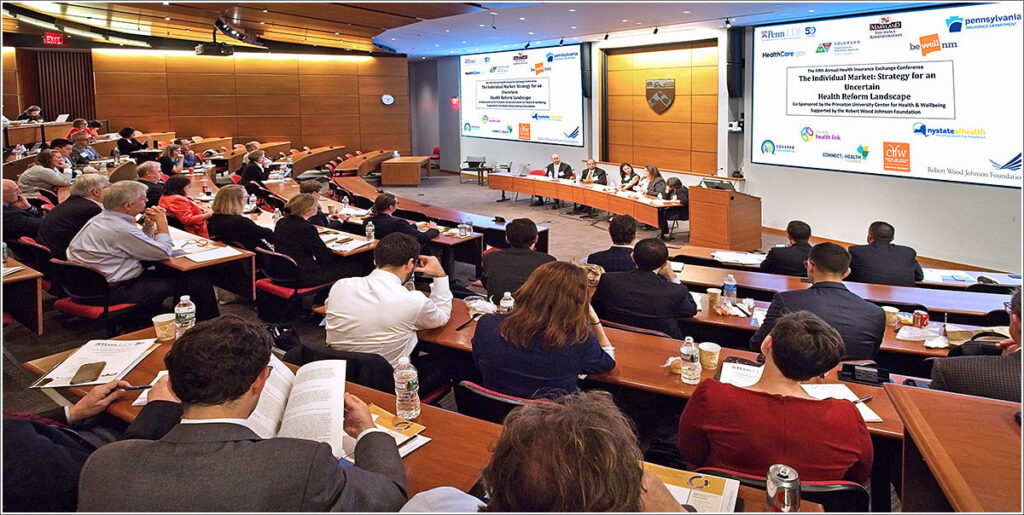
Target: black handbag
[(981, 344)]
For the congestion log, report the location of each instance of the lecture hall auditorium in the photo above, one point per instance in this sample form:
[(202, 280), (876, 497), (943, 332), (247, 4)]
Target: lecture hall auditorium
[(511, 256)]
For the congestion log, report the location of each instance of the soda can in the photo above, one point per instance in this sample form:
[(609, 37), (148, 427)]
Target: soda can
[(783, 486), (207, 189), (920, 318)]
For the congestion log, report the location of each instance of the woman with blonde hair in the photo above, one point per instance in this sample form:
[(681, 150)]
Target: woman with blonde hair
[(227, 223), (171, 160), (551, 336)]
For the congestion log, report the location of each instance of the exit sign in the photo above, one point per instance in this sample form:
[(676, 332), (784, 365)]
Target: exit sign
[(53, 38)]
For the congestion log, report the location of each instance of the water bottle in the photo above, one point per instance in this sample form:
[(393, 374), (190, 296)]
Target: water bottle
[(5, 253), (277, 214), (507, 303), (369, 231), (729, 288), (395, 154), (344, 203), (252, 202), (407, 390), (116, 154), (691, 361), (184, 316)]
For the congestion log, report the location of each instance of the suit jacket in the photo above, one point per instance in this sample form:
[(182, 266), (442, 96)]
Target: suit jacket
[(21, 222), (239, 229), (995, 377), (657, 186), (298, 239), (614, 259), (82, 156), (860, 323), (42, 461), (321, 219), (507, 270), (227, 467), (128, 145), (564, 170), (64, 222), (884, 263), (645, 299), (253, 172), (384, 225), (600, 176), (154, 190), (787, 260)]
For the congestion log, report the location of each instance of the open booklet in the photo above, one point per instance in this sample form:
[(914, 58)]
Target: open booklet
[(698, 492), (97, 362)]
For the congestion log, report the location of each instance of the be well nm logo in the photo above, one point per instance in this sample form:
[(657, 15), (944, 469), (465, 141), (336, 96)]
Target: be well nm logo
[(930, 43), (896, 156)]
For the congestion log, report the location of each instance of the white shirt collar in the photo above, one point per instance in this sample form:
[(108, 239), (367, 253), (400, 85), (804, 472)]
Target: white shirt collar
[(237, 421), (384, 275)]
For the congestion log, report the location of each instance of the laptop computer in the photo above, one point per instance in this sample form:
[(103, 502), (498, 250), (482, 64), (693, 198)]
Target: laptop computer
[(62, 118)]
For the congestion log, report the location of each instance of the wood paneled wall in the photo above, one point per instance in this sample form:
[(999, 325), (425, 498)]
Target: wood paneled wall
[(685, 136), (11, 96), (66, 84), (312, 101)]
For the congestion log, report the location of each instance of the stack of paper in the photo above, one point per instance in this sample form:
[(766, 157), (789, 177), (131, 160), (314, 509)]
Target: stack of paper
[(938, 275), (11, 270), (213, 254), (840, 391), (917, 334), (406, 433), (119, 358), (741, 375), (698, 298), (348, 245), (739, 258)]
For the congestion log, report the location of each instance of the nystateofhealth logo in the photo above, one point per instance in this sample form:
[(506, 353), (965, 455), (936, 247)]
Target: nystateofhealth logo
[(546, 117), (948, 132), (1012, 165), (896, 156)]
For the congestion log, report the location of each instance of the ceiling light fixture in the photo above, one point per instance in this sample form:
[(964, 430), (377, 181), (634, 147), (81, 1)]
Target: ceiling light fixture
[(686, 12), (624, 20), (521, 18), (573, 27), (572, 10), (530, 33), (810, 10), (728, 23), (482, 25)]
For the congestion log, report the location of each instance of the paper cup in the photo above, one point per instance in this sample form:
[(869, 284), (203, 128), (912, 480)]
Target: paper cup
[(891, 315), (164, 325), (714, 296), (709, 355)]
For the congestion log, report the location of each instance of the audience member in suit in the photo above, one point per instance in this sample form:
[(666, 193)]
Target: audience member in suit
[(212, 461), (860, 323), (48, 173), (558, 170), (507, 270), (189, 158), (128, 144), (336, 222), (20, 217), (43, 454), (171, 160), (67, 218), (995, 377), (591, 463), (229, 225), (650, 296), (791, 259), (681, 212), (627, 177), (775, 421), (298, 239), (551, 337), (590, 175), (385, 223), (176, 202), (81, 152), (32, 114), (618, 257), (113, 244), (255, 171), (881, 262), (149, 175)]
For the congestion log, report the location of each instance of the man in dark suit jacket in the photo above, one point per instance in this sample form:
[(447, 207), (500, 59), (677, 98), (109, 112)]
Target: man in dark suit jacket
[(213, 461), (618, 257), (149, 174), (651, 296), (43, 454), (590, 175), (881, 262), (20, 217), (507, 270), (791, 259), (556, 169), (995, 377), (859, 322), (65, 220)]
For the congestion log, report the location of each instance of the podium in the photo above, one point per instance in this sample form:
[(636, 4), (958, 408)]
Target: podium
[(724, 219)]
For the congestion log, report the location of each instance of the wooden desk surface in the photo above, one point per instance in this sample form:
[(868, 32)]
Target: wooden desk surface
[(754, 500), (408, 160), (972, 445), (184, 264), (27, 273)]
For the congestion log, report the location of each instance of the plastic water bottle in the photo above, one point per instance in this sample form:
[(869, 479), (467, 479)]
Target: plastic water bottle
[(344, 203), (369, 231), (184, 316), (729, 288), (507, 303), (691, 361), (116, 155), (395, 154), (407, 390), (252, 202)]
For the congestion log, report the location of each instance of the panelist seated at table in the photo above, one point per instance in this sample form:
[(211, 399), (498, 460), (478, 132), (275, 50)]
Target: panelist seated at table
[(336, 222), (618, 257), (558, 170), (578, 453), (255, 171), (791, 259), (188, 155), (590, 175), (20, 217), (81, 152), (67, 218), (627, 177), (177, 204), (171, 160), (31, 114), (298, 239), (651, 182), (128, 144), (860, 324), (48, 173), (551, 337), (149, 175), (882, 262), (44, 454), (674, 191), (774, 421), (651, 296), (212, 461), (385, 222), (995, 377), (506, 270), (113, 244), (228, 224)]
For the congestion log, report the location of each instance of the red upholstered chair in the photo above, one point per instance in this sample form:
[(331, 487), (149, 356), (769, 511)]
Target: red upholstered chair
[(358, 153), (235, 178), (293, 151), (41, 256), (83, 283), (479, 402), (281, 282), (7, 319), (839, 495), (50, 196), (435, 158), (349, 156)]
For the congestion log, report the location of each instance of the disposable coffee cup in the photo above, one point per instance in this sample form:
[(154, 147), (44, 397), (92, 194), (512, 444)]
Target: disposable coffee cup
[(714, 296), (891, 315), (333, 209), (164, 325), (709, 355)]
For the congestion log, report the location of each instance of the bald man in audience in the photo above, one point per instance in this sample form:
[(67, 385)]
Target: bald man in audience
[(65, 220), (20, 217), (882, 262), (149, 175)]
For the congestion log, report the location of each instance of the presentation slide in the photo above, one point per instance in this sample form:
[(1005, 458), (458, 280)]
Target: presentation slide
[(928, 94), (531, 95)]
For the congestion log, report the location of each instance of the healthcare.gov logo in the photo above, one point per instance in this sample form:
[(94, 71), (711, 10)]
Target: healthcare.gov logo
[(1012, 165), (955, 23)]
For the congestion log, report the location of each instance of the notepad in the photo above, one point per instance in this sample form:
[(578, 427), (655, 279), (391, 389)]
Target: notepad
[(119, 356), (144, 396), (349, 245), (840, 391), (698, 492), (697, 297), (741, 375), (213, 254), (11, 270), (740, 258)]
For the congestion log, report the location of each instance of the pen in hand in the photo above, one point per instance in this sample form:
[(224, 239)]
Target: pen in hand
[(132, 388), (863, 399)]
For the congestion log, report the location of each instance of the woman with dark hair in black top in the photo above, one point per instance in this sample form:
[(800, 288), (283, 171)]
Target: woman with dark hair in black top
[(297, 238), (128, 144)]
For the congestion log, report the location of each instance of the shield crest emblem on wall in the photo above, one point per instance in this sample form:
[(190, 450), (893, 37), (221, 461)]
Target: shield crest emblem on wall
[(660, 94)]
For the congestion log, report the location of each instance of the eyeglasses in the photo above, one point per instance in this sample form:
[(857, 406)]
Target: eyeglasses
[(195, 243)]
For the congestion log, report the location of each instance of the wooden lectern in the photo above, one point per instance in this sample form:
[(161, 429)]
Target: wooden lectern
[(724, 219)]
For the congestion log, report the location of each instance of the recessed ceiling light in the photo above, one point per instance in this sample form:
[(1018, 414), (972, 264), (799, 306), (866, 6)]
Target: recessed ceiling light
[(337, 33), (392, 39), (422, 57), (482, 25), (521, 18), (530, 33), (493, 13), (639, 23), (166, 18), (573, 27), (263, 23), (463, 42), (810, 10), (447, 30), (572, 10), (451, 51), (435, 44), (688, 12), (624, 20)]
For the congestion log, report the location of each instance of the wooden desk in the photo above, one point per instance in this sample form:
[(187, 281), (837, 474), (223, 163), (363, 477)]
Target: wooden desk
[(311, 159), (23, 295), (363, 164), (403, 171), (13, 169), (105, 147), (960, 452), (210, 144), (240, 282), (28, 134)]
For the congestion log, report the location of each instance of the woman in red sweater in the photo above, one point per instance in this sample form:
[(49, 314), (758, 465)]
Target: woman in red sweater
[(175, 200), (774, 421)]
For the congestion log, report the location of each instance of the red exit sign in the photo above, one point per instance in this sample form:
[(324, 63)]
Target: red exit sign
[(53, 38)]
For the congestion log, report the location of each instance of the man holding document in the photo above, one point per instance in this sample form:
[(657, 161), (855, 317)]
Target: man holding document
[(215, 460)]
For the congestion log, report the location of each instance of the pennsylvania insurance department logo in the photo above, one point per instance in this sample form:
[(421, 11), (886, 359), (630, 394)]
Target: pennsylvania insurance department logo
[(954, 23), (807, 134), (1012, 165)]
